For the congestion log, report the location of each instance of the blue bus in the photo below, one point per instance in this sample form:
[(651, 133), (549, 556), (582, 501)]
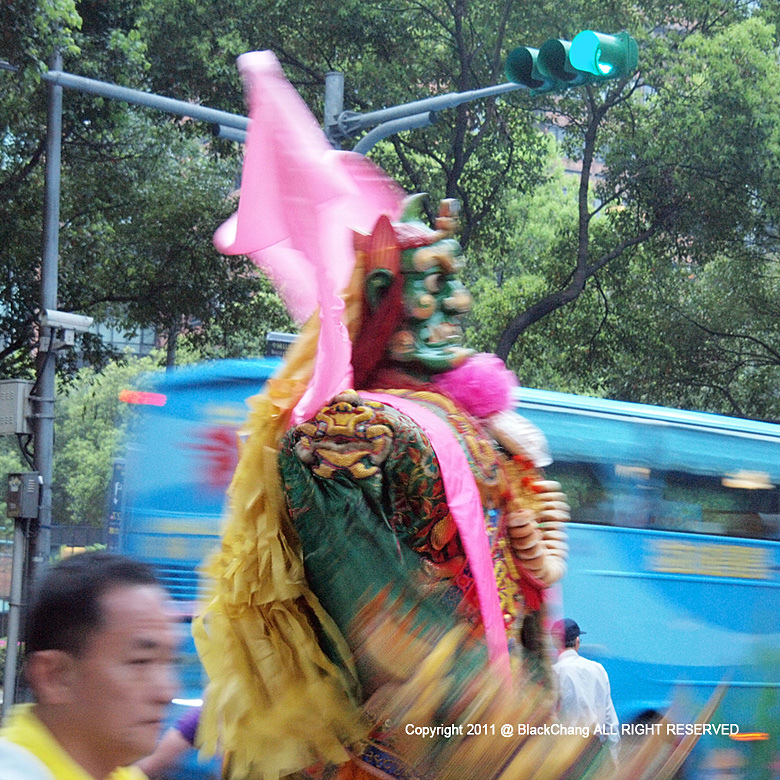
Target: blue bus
[(674, 564), (674, 568)]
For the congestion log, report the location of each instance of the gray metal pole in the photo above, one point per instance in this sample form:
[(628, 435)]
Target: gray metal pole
[(370, 140), (229, 133), (351, 122), (334, 105), (21, 525), (148, 99), (44, 401)]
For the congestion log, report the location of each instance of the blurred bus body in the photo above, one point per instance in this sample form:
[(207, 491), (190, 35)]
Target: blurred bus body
[(168, 496), (674, 567)]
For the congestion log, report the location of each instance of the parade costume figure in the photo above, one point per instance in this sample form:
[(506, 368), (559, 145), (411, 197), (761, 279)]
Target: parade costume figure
[(391, 533), (453, 492)]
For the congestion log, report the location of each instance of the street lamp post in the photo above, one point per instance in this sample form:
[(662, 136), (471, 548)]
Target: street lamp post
[(43, 402)]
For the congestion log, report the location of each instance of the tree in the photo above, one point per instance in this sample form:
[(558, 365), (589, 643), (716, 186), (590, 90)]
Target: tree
[(90, 425), (517, 266), (704, 152), (688, 145), (28, 37), (689, 149), (715, 259), (148, 251), (141, 197)]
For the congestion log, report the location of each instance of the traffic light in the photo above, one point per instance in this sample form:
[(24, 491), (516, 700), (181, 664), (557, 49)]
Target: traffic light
[(558, 64)]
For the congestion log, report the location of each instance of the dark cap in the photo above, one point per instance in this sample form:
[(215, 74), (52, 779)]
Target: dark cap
[(566, 631)]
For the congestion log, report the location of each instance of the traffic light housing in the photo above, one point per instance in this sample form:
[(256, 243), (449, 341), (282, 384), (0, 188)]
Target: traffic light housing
[(558, 64)]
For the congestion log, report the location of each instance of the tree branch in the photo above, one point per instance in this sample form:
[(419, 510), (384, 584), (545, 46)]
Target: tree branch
[(725, 335), (17, 178), (571, 292)]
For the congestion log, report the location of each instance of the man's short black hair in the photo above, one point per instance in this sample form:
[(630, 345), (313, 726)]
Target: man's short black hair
[(66, 610)]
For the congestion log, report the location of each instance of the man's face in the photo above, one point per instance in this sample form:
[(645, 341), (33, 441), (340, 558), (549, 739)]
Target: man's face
[(124, 680), (434, 300)]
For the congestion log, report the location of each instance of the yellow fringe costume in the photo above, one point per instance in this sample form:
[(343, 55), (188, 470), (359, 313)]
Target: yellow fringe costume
[(257, 641)]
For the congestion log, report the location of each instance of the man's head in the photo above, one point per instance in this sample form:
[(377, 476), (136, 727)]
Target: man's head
[(567, 633), (99, 652)]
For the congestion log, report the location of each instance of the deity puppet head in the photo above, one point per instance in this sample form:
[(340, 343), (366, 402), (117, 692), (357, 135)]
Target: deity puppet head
[(413, 298)]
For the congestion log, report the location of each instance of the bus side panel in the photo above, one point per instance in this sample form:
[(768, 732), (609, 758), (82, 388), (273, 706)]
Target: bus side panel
[(182, 456), (673, 569), (177, 469)]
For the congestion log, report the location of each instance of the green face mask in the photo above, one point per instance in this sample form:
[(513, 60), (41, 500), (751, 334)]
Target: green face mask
[(429, 337)]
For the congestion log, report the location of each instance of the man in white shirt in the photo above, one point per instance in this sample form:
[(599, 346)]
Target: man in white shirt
[(583, 687)]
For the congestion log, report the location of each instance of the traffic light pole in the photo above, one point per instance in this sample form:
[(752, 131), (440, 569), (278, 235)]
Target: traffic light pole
[(43, 402), (350, 122), (211, 116), (408, 116), (338, 124)]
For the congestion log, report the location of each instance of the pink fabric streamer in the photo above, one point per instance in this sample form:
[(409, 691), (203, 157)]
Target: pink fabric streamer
[(465, 504), (300, 201)]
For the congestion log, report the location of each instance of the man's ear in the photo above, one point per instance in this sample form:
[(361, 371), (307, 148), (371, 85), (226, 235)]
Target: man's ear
[(52, 675)]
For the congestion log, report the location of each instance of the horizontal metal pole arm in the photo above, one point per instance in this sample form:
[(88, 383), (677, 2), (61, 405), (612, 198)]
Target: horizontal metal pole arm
[(351, 122), (368, 141), (147, 99), (229, 133)]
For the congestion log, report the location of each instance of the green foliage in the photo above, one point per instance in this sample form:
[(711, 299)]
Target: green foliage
[(662, 288), (141, 198), (688, 316), (701, 152), (90, 424), (525, 263), (31, 31)]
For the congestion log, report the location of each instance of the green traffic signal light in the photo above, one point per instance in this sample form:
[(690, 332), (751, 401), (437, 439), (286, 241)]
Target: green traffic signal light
[(559, 64), (522, 68), (606, 56), (554, 63)]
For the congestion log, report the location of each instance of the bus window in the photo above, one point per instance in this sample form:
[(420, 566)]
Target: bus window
[(609, 494), (723, 509), (585, 491), (638, 497)]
